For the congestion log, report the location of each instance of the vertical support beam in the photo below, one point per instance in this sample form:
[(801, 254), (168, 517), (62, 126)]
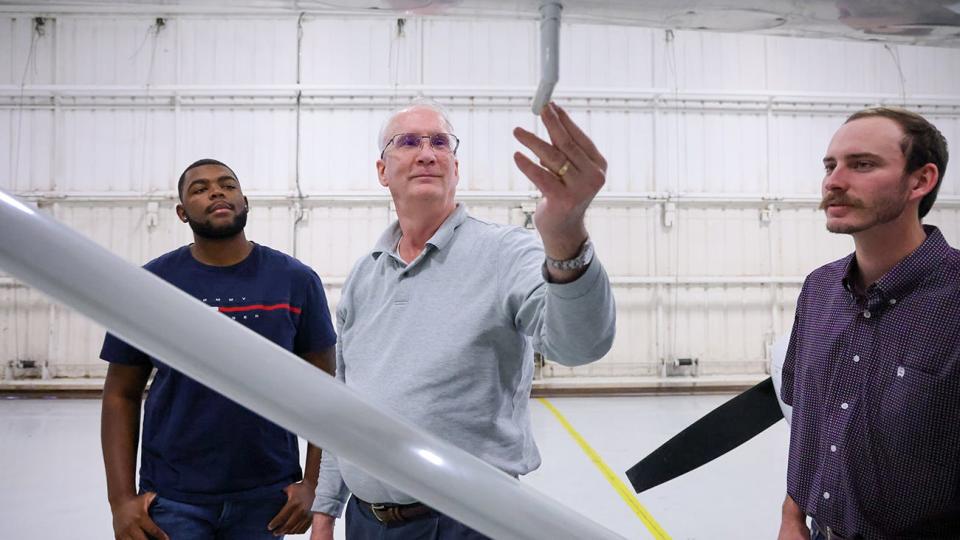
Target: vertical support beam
[(52, 342), (549, 53), (177, 141), (58, 129), (298, 211), (660, 329), (54, 326)]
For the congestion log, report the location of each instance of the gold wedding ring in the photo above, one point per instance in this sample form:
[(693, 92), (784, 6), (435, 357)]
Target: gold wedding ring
[(563, 170)]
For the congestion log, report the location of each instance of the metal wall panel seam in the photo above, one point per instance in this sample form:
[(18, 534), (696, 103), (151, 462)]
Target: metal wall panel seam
[(283, 9), (509, 198), (239, 100), (299, 214), (412, 90)]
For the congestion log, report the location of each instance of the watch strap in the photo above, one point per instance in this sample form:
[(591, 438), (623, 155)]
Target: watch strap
[(578, 261)]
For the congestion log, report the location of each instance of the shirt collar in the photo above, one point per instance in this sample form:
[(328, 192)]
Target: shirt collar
[(907, 274), (390, 237)]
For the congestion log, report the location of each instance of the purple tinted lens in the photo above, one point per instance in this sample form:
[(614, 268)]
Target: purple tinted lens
[(407, 140), (441, 141)]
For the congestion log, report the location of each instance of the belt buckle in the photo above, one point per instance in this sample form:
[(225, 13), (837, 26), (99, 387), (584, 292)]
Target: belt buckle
[(390, 514), (375, 510)]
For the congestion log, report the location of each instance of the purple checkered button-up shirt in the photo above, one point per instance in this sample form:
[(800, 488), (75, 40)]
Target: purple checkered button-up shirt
[(875, 385)]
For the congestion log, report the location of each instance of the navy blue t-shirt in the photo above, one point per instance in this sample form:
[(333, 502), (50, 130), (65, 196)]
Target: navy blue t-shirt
[(198, 446)]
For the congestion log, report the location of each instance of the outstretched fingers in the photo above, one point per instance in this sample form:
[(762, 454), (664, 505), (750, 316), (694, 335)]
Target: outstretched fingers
[(580, 138), (571, 169), (563, 140), (546, 181)]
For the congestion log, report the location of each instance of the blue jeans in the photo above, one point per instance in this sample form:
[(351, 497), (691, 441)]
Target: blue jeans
[(231, 520), (362, 525)]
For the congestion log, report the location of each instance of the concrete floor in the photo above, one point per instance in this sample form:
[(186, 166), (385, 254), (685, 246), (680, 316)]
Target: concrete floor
[(52, 484)]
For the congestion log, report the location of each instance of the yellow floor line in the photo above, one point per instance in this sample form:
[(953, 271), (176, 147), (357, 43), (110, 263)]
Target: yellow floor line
[(625, 493)]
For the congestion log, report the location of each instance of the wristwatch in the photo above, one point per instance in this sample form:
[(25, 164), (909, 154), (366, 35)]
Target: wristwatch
[(579, 261)]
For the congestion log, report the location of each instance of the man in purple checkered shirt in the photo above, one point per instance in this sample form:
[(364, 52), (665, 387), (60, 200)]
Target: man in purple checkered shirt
[(873, 366)]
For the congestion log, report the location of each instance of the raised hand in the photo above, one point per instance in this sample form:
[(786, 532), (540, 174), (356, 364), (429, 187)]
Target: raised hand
[(570, 173)]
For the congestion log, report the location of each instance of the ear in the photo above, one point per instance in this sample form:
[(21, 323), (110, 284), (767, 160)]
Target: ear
[(246, 203), (181, 213), (382, 173), (923, 180)]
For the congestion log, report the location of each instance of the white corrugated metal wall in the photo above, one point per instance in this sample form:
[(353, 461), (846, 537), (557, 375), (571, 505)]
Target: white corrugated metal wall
[(707, 224)]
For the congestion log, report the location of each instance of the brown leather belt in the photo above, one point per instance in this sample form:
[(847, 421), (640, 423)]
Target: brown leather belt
[(396, 513)]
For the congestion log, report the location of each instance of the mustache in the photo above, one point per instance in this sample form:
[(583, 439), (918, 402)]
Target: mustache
[(210, 207), (836, 198)]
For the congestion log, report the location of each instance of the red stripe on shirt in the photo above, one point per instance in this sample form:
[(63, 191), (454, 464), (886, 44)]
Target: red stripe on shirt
[(261, 307)]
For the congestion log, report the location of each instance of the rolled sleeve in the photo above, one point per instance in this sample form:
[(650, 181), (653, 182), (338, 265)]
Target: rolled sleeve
[(332, 493)]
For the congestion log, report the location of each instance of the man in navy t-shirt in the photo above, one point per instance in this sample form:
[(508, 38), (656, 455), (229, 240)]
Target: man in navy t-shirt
[(211, 468)]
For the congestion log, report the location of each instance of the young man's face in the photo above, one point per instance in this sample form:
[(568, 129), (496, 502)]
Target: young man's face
[(865, 184), (213, 203)]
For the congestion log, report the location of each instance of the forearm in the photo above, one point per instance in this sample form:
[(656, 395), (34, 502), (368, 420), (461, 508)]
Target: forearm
[(791, 512), (119, 433), (311, 469), (571, 323), (579, 318), (326, 361)]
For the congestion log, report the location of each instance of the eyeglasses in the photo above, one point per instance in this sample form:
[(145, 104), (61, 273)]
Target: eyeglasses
[(440, 142)]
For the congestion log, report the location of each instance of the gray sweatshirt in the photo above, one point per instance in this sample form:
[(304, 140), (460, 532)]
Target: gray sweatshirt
[(447, 342)]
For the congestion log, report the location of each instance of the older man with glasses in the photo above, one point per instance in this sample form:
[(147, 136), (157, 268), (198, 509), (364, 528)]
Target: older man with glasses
[(439, 322)]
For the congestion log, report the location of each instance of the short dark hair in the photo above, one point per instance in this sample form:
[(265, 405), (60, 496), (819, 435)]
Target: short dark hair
[(200, 163), (922, 143)]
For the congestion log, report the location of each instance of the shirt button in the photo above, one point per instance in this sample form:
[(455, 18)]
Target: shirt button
[(833, 448), (866, 314), (856, 358), (893, 301), (826, 495), (844, 406)]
